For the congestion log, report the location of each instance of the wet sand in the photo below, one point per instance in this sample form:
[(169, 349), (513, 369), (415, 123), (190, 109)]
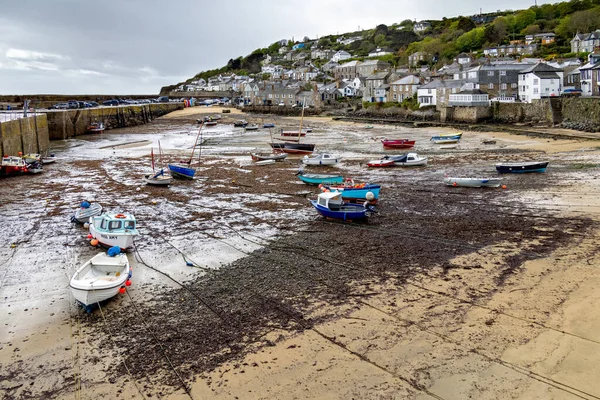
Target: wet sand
[(446, 292)]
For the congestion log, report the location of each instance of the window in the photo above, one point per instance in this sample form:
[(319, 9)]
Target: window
[(276, 95), (270, 95), (114, 225), (490, 86), (513, 85), (536, 81), (547, 89), (490, 73), (129, 225), (503, 86), (103, 224), (291, 96), (535, 90), (428, 91), (395, 96), (502, 73)]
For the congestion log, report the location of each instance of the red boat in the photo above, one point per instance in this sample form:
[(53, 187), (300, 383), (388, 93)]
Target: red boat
[(293, 133), (12, 165), (398, 143), (381, 163)]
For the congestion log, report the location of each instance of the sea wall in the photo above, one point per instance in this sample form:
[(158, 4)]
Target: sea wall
[(24, 135), (537, 112), (63, 124), (581, 113), (465, 114), (47, 100)]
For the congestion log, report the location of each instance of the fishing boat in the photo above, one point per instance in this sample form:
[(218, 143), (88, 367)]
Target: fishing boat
[(210, 122), (95, 127), (522, 167), (240, 123), (294, 146), (446, 138), (85, 211), (294, 133), (12, 165), (316, 179), (397, 143), (49, 159), (269, 125), (322, 159), (100, 278), (159, 178), (355, 191), (32, 157), (407, 160), (251, 127), (271, 156), (114, 230), (473, 182), (186, 171), (381, 163), (331, 205)]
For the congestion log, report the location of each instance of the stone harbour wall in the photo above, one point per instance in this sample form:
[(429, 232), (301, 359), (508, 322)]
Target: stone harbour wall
[(64, 124), (24, 135), (581, 113)]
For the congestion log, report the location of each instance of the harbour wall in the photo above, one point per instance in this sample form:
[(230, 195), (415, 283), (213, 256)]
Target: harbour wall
[(24, 135), (47, 100), (64, 124)]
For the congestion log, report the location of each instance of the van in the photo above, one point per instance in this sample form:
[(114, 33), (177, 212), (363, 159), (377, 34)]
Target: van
[(163, 99)]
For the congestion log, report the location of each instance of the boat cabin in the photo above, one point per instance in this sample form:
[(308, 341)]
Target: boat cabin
[(12, 161), (330, 200), (412, 157), (117, 222)]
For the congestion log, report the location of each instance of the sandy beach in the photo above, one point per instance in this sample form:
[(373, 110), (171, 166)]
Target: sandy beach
[(240, 291)]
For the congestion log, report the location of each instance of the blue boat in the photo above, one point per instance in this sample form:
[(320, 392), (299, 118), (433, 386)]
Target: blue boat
[(522, 167), (331, 205), (269, 125), (355, 192), (317, 179), (182, 172), (446, 138)]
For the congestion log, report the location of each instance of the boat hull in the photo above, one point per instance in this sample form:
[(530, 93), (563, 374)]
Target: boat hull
[(180, 172), (398, 144), (110, 239), (445, 140), (293, 148), (317, 179), (158, 181), (415, 163), (520, 168), (354, 194), (265, 162), (82, 215), (381, 163), (262, 157), (100, 278), (348, 212), (473, 182), (321, 160)]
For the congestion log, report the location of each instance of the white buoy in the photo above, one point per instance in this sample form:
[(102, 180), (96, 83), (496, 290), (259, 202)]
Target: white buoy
[(137, 189), (86, 225), (370, 196)]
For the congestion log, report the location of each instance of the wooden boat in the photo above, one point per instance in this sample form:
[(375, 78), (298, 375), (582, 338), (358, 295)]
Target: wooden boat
[(381, 163), (240, 123), (369, 127), (322, 159), (446, 138), (293, 133), (186, 171), (100, 278), (265, 162), (95, 127), (210, 123), (331, 205), (407, 160), (294, 147), (473, 182), (158, 178), (522, 167), (12, 165), (269, 125), (252, 127), (356, 191), (114, 229), (272, 156), (85, 211), (316, 179), (398, 143)]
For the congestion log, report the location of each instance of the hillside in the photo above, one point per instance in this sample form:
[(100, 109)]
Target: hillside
[(442, 39)]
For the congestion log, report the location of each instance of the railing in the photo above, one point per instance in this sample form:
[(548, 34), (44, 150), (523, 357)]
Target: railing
[(6, 116)]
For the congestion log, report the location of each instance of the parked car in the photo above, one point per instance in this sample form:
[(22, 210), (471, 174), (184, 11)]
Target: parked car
[(112, 102), (163, 99), (73, 104), (93, 104), (59, 106)]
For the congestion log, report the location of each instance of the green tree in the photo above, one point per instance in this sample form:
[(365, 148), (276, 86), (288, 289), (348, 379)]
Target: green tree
[(465, 24), (472, 40), (523, 19), (380, 40), (531, 30)]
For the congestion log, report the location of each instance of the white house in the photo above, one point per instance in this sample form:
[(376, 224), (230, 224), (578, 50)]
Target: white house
[(347, 41), (421, 26), (340, 56), (437, 93), (538, 81), (379, 52)]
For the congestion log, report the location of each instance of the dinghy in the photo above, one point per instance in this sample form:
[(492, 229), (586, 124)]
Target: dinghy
[(100, 278), (407, 160), (159, 179), (522, 167), (355, 191), (473, 182), (114, 230), (331, 205), (265, 162), (381, 163), (264, 156), (251, 127), (446, 138), (315, 179), (397, 143), (322, 159), (85, 211)]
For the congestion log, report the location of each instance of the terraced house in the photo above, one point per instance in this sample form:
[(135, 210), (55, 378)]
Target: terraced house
[(404, 88)]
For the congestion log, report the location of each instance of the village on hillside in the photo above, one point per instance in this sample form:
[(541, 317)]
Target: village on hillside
[(327, 73)]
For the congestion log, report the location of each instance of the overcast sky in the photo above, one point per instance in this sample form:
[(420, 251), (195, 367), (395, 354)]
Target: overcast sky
[(137, 46)]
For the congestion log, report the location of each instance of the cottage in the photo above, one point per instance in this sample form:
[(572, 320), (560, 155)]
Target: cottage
[(421, 26), (404, 88), (463, 59), (329, 66), (417, 58), (376, 81), (539, 81), (340, 56), (437, 93), (585, 42), (380, 52), (370, 67), (346, 70)]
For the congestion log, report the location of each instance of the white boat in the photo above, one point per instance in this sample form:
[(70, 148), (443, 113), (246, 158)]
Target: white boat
[(48, 159), (114, 230), (252, 127), (265, 162), (87, 210), (100, 278), (159, 179), (446, 138), (473, 182), (32, 157), (407, 160), (322, 159)]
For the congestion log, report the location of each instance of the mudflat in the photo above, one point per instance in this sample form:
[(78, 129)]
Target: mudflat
[(240, 290)]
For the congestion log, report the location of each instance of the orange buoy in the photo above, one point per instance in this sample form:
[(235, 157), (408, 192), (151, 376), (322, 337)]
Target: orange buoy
[(503, 186), (127, 282), (454, 184), (94, 242), (122, 290)]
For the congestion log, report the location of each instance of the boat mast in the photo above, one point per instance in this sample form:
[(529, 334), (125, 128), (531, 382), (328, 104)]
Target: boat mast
[(195, 143), (301, 119)]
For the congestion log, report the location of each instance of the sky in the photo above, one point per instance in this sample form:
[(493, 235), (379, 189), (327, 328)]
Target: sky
[(137, 46)]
